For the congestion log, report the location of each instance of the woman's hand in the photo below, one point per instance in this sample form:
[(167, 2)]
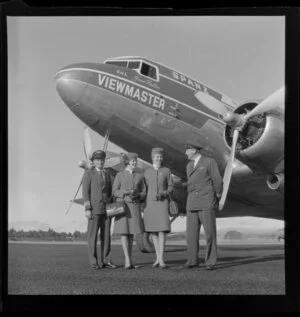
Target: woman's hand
[(89, 214), (161, 195), (128, 192)]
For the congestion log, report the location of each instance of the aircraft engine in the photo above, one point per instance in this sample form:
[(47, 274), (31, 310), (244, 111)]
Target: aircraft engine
[(261, 139)]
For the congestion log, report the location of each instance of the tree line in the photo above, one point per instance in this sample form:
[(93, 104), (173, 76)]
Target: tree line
[(46, 235)]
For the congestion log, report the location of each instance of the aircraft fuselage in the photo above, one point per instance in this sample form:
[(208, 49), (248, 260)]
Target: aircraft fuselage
[(145, 104)]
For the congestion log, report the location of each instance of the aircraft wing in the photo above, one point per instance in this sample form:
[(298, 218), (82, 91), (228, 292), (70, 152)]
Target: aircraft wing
[(249, 195)]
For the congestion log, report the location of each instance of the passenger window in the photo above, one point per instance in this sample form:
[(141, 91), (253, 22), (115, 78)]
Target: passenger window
[(148, 71)]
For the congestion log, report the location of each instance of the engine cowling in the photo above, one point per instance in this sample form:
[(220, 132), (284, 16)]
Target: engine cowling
[(261, 140)]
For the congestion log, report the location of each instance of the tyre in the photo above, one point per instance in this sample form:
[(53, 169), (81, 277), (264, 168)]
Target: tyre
[(144, 242)]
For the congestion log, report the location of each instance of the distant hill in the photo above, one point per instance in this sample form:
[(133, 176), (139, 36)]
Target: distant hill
[(232, 235)]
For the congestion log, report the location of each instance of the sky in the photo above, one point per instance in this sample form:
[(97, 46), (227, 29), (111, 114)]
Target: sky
[(242, 57)]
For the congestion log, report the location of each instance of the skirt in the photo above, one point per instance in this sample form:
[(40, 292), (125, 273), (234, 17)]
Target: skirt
[(156, 216), (131, 222)]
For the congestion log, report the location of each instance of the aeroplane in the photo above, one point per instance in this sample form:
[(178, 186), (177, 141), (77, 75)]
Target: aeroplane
[(138, 103)]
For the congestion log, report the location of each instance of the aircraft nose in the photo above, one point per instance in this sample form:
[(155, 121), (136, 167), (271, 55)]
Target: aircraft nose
[(69, 89)]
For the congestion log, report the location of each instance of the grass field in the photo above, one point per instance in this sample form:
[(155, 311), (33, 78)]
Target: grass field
[(64, 269)]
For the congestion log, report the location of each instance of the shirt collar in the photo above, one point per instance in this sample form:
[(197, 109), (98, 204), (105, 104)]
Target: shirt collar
[(156, 167), (196, 160), (129, 170)]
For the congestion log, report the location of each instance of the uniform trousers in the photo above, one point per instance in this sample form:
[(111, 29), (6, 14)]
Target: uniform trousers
[(101, 222), (194, 221)]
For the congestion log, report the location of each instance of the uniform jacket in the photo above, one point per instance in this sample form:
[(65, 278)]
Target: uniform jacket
[(96, 190), (126, 181), (158, 181), (204, 183)]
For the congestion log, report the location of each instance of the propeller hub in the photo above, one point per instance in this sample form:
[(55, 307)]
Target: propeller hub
[(82, 164), (234, 120)]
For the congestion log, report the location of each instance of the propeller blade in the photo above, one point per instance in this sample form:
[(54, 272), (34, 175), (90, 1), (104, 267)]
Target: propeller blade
[(71, 201), (87, 144), (211, 103), (273, 101), (228, 170)]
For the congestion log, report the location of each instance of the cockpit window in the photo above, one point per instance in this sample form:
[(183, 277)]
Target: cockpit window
[(117, 63), (145, 69), (148, 71), (134, 65)]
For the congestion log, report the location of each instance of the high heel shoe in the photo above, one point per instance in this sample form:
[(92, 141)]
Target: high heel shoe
[(155, 264), (129, 267), (163, 266)]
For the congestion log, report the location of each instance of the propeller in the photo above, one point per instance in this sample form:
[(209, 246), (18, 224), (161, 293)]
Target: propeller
[(237, 122), (228, 169), (273, 101), (87, 144), (87, 147)]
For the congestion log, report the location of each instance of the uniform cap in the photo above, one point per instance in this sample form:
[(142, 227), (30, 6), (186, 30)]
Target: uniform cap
[(157, 150), (192, 145), (100, 155), (131, 156)]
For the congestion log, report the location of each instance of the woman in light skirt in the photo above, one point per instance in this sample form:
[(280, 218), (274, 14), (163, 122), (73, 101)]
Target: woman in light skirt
[(159, 184)]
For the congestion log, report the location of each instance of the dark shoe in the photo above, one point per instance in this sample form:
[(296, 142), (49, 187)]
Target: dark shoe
[(95, 267), (155, 264), (210, 267), (110, 264), (101, 265), (189, 266)]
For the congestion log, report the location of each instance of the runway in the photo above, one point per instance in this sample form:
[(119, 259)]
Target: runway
[(63, 269)]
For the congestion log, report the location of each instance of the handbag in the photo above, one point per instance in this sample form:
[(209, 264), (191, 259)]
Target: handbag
[(116, 208), (173, 208)]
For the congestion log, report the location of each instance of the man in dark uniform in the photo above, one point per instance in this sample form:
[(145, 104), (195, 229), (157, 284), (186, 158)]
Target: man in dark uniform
[(204, 187), (96, 192)]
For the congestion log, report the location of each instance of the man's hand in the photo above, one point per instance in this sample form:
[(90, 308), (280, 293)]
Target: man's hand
[(88, 214)]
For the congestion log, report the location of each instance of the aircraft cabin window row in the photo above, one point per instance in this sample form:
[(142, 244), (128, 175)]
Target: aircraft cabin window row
[(145, 69)]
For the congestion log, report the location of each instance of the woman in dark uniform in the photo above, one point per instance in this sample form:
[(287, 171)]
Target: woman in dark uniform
[(129, 186), (159, 185)]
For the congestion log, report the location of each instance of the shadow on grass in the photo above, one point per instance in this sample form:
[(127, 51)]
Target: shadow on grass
[(274, 257), (245, 247), (175, 250), (232, 261)]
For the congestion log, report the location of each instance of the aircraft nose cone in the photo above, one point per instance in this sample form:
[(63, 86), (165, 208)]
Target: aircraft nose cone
[(69, 89)]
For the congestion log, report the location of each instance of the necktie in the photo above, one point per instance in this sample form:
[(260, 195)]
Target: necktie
[(101, 172)]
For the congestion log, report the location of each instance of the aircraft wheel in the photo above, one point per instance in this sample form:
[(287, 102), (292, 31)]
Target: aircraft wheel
[(144, 242)]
